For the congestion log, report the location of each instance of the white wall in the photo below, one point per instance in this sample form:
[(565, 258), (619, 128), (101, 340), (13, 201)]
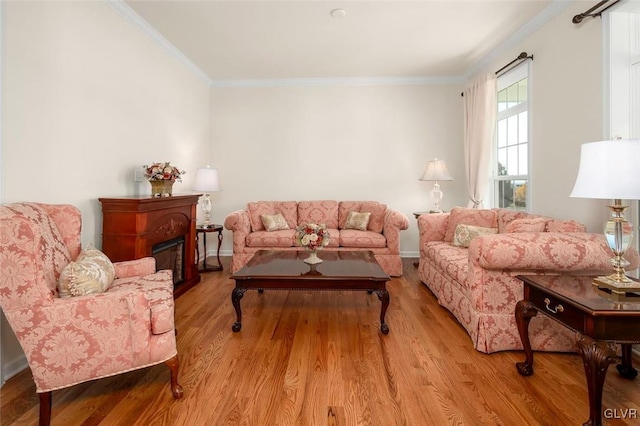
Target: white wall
[(87, 98), (342, 142), (566, 111)]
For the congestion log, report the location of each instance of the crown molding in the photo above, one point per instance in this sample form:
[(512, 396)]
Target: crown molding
[(138, 22), (339, 81), (525, 31)]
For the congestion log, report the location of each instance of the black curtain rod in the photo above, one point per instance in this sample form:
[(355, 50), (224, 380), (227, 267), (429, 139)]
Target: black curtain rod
[(522, 56), (579, 17)]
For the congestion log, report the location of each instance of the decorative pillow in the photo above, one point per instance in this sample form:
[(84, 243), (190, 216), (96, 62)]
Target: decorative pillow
[(357, 220), (92, 272), (465, 233), (476, 217), (274, 222), (526, 225), (555, 225)]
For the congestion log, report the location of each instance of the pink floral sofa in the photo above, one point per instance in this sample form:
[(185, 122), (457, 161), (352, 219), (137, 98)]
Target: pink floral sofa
[(478, 284), (79, 338), (382, 234)]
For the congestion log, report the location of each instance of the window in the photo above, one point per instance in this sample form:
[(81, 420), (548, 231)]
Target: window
[(511, 153)]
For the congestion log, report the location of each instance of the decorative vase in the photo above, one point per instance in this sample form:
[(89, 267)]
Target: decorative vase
[(161, 188), (313, 258)]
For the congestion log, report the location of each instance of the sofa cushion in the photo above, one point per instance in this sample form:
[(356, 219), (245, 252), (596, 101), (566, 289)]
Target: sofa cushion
[(554, 225), (288, 209), (362, 239), (320, 212), (536, 224), (476, 217), (282, 238), (377, 210), (274, 222), (91, 273), (465, 233), (357, 220)]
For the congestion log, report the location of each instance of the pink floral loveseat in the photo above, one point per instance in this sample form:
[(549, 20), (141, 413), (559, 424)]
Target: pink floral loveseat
[(478, 283), (70, 340), (381, 236)]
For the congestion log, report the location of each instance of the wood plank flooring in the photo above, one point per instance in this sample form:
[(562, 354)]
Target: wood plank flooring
[(318, 358)]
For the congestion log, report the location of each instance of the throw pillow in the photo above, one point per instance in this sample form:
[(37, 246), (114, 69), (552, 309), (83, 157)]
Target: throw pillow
[(92, 272), (465, 233), (526, 225), (476, 217), (357, 220), (274, 222), (555, 225)]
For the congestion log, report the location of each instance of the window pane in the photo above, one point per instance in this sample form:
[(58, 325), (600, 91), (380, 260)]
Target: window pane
[(512, 95), (522, 127), (520, 194), (502, 100), (502, 162), (523, 165), (502, 133), (512, 160), (522, 90), (512, 130)]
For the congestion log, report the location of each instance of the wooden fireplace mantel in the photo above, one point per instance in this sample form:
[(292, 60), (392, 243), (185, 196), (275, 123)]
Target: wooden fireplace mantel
[(131, 226)]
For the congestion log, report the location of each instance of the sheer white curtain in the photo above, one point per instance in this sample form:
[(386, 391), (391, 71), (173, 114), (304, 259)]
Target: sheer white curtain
[(479, 126)]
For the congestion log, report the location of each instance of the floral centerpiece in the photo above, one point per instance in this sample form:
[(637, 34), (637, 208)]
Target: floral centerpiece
[(163, 171), (162, 177), (313, 237)]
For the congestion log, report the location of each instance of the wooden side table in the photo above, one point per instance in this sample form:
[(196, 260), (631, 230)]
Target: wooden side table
[(201, 229), (575, 302)]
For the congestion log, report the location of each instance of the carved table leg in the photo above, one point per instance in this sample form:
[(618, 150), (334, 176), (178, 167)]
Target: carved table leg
[(625, 368), (383, 295), (174, 366), (45, 409), (524, 312), (236, 295), (596, 357)]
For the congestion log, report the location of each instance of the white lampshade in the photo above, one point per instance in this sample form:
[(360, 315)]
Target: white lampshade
[(436, 170), (609, 170), (207, 180)]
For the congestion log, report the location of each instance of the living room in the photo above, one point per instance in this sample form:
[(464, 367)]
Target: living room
[(89, 95)]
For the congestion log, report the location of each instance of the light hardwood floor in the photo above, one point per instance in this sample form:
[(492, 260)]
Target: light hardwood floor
[(318, 358)]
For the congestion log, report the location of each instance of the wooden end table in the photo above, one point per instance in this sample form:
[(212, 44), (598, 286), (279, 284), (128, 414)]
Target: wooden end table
[(286, 270), (204, 230), (600, 321)]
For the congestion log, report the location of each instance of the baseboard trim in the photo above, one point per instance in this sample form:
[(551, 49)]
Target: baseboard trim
[(14, 367)]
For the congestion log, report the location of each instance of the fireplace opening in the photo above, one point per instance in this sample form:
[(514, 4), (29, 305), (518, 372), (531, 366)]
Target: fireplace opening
[(170, 255)]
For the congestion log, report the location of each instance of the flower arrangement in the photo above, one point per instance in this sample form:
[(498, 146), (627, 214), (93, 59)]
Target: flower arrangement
[(312, 236), (163, 171)]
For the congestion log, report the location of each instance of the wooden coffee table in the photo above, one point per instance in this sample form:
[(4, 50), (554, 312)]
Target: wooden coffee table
[(286, 270), (598, 318)]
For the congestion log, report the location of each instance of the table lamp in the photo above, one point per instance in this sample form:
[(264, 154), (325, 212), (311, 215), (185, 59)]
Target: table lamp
[(436, 171), (207, 180), (609, 170)]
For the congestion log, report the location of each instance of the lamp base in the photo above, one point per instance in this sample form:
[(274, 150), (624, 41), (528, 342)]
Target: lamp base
[(616, 286)]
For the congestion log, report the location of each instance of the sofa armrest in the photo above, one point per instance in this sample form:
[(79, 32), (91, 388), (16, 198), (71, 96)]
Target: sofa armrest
[(549, 251), (394, 222), (135, 268), (432, 227), (238, 223)]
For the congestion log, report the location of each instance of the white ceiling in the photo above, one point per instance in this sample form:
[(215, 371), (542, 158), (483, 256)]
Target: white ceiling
[(246, 40)]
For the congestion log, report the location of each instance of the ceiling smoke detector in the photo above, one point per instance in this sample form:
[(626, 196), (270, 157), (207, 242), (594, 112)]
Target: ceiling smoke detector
[(338, 13)]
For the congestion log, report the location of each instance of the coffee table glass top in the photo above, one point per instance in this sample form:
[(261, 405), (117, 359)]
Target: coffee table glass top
[(344, 264), (580, 290)]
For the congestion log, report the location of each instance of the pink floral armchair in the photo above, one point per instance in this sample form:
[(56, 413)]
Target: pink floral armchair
[(72, 340)]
